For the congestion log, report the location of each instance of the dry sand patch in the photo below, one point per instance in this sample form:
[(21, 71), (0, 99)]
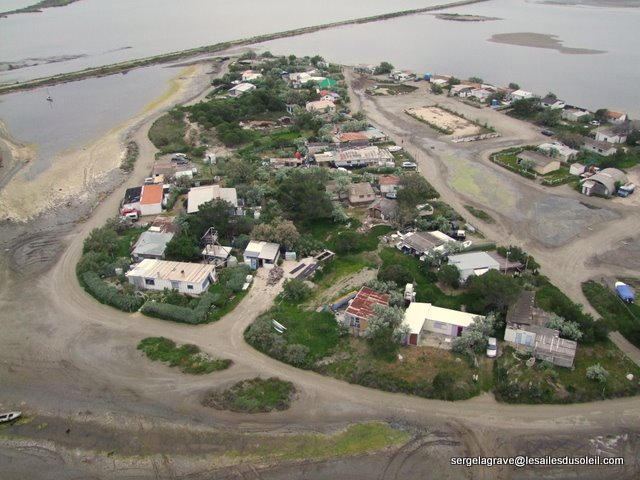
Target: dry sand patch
[(445, 121)]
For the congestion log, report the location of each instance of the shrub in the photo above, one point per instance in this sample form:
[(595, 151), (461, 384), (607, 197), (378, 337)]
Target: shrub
[(399, 274), (108, 294), (295, 290), (597, 373), (176, 313)]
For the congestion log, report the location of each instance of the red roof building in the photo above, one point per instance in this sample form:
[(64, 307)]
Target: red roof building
[(151, 200), (361, 308)]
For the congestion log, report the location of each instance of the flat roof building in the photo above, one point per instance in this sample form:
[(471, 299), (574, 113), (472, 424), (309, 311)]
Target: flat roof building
[(189, 278), (199, 195)]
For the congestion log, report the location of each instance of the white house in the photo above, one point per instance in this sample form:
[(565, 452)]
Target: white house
[(261, 254), (424, 318), (191, 278), (199, 195), (573, 114), (151, 200), (577, 169), (606, 135), (558, 150), (241, 88), (616, 117), (389, 183), (321, 106), (520, 95), (605, 149), (474, 263), (251, 75)]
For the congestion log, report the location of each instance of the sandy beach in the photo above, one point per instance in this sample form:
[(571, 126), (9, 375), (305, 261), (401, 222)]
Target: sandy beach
[(74, 175)]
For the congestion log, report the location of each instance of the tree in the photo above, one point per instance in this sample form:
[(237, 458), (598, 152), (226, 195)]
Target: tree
[(238, 171), (514, 86), (527, 164), (449, 275), (597, 373), (414, 189), (567, 328), (526, 107), (476, 80), (436, 89), (104, 240), (494, 289), (398, 274), (453, 81), (279, 231), (295, 290), (384, 331), (474, 337), (215, 213), (182, 248), (384, 67), (302, 196)]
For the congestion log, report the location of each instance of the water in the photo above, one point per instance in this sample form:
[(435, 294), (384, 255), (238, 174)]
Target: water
[(101, 32), (80, 111), (8, 5), (423, 43)]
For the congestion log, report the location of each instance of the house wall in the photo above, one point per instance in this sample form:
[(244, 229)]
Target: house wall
[(355, 199), (550, 167), (442, 328), (388, 188), (151, 209), (150, 283), (351, 322), (518, 336)]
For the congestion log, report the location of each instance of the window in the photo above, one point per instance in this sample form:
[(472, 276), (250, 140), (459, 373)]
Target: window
[(355, 322), (175, 285), (439, 325), (149, 281), (189, 287)]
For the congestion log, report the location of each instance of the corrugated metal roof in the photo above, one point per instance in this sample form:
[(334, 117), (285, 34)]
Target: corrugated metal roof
[(362, 304), (177, 271), (152, 243)]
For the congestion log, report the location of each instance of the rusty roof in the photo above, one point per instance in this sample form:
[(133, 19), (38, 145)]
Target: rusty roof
[(362, 305)]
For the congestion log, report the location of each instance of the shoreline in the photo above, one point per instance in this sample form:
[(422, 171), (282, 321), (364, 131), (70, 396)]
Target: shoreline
[(79, 176), (114, 68)]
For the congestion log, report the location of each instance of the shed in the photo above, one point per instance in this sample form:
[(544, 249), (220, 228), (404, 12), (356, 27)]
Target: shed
[(384, 209), (241, 89), (603, 182), (199, 195), (474, 263), (360, 310), (361, 193), (423, 318), (261, 254), (389, 183), (542, 164)]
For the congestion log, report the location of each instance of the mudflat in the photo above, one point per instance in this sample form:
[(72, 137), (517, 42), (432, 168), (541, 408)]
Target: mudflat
[(539, 40)]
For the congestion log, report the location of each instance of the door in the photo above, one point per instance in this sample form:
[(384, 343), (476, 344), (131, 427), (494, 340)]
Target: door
[(459, 332)]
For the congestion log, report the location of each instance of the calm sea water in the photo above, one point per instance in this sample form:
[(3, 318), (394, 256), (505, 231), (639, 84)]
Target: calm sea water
[(98, 28)]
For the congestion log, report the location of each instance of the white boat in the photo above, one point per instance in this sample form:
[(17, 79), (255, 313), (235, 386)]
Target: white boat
[(9, 416)]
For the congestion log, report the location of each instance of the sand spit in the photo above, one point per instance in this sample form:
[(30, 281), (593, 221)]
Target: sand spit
[(73, 175), (539, 40)]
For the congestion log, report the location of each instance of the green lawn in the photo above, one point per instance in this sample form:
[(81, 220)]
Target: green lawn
[(167, 133), (316, 330), (127, 239), (478, 213)]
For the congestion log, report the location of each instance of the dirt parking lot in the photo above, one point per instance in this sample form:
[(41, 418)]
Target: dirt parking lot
[(458, 126)]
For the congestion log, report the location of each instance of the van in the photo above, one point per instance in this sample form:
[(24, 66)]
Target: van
[(148, 181), (133, 216)]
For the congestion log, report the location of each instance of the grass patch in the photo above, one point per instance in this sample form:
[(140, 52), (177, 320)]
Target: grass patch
[(253, 396), (126, 240), (617, 314), (478, 213), (167, 133), (400, 89), (187, 357), (356, 439), (545, 383), (130, 156)]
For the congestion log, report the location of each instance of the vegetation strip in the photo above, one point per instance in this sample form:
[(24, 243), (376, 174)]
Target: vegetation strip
[(253, 396), (173, 56), (187, 357), (37, 7)]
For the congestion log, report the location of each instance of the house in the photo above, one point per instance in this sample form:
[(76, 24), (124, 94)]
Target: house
[(401, 75), (424, 318), (541, 163), (163, 225), (241, 89), (616, 117), (151, 245), (376, 135), (199, 195), (361, 193), (362, 157), (169, 170), (353, 139), (384, 209), (368, 69), (526, 332), (251, 75), (460, 90), (603, 182), (279, 163), (151, 200), (481, 94), (520, 95), (605, 149), (360, 310), (573, 114), (422, 243), (552, 103), (191, 278), (131, 201), (389, 183), (321, 106), (576, 169), (332, 96), (261, 254), (559, 151), (474, 263), (609, 135)]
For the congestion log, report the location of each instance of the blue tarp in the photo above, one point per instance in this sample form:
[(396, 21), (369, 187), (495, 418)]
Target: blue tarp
[(625, 292)]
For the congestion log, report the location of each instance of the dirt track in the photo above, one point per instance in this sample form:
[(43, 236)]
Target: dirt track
[(72, 364)]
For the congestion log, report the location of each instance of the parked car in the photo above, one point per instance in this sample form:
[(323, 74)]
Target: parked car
[(391, 195), (409, 165), (548, 133), (492, 347)]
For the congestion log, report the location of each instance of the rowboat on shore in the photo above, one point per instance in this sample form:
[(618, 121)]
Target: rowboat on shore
[(9, 416)]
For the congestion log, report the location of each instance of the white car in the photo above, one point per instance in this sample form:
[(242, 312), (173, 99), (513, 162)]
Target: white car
[(492, 347), (409, 165)]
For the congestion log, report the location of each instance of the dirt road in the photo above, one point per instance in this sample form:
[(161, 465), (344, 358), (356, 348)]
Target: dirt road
[(72, 364)]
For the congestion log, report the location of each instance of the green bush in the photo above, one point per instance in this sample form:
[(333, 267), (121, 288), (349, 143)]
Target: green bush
[(195, 316), (109, 295), (188, 356)]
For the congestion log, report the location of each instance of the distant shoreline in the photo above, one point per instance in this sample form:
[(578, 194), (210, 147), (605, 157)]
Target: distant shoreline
[(37, 7), (539, 40), (114, 68), (459, 17)]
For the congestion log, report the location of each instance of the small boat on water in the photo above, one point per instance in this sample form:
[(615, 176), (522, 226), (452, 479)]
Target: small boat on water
[(625, 292), (49, 99), (9, 416)]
